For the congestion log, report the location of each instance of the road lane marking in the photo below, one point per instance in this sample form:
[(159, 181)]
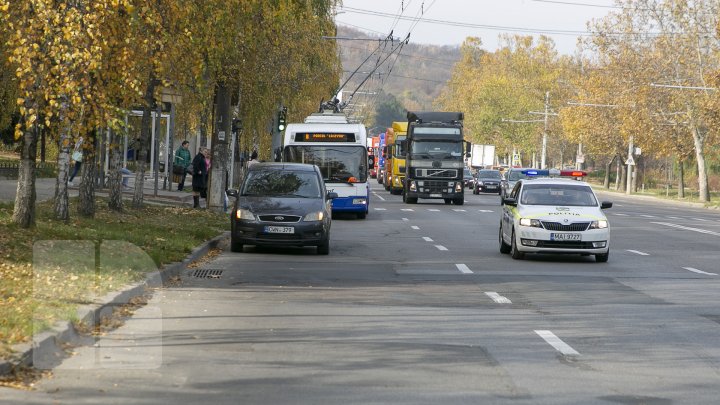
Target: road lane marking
[(637, 252), (440, 247), (557, 343), (464, 268), (406, 209), (694, 270), (648, 216), (459, 210), (700, 219), (380, 209), (415, 227), (485, 211), (687, 228), (621, 215), (427, 239), (406, 219), (433, 210), (498, 298), (674, 218), (378, 196)]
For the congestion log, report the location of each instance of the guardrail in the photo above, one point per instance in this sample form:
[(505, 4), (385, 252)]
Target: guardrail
[(10, 170)]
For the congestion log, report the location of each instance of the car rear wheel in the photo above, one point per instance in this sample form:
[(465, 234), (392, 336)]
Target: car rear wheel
[(504, 247), (514, 252), (603, 258)]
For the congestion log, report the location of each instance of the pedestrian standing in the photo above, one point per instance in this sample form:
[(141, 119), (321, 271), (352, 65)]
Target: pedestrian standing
[(253, 158), (200, 176), (182, 163), (77, 157)]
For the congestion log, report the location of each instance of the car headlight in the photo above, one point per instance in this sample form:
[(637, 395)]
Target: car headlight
[(601, 224), (535, 223), (479, 183), (314, 216), (244, 214)]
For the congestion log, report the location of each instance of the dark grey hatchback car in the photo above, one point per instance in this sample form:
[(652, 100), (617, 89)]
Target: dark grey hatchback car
[(281, 204)]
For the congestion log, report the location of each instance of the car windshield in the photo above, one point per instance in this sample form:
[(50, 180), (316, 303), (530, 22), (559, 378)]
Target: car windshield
[(558, 194), (282, 183), (488, 174), (516, 175), (467, 173), (336, 163)]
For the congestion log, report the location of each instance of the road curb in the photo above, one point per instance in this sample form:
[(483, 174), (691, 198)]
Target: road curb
[(48, 347), (656, 199)]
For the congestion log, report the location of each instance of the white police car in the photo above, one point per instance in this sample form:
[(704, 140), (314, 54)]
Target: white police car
[(554, 215)]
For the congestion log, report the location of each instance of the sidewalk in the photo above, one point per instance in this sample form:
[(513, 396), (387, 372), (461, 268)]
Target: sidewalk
[(45, 189)]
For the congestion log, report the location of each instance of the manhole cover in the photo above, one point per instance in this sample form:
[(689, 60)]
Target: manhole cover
[(207, 273)]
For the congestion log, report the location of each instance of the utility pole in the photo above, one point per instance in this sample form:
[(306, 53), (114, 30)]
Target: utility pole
[(630, 170), (545, 133)]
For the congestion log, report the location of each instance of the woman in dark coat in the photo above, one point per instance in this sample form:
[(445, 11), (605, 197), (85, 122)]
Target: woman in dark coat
[(199, 176)]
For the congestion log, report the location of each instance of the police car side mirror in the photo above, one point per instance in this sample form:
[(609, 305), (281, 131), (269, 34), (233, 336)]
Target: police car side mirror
[(605, 205), (510, 201)]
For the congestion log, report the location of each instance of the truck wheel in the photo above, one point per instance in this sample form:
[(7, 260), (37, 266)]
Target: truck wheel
[(459, 201), (448, 201)]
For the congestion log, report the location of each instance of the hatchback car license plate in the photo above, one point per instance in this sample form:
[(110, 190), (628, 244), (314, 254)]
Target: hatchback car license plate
[(279, 229), (565, 236)]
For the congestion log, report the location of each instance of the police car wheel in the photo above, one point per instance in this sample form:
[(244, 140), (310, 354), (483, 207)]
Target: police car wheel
[(504, 247), (603, 258), (514, 252)]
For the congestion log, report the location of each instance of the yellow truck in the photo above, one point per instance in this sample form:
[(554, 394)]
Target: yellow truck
[(395, 157)]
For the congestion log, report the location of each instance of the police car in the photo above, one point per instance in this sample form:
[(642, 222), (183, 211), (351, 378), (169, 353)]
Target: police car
[(554, 215)]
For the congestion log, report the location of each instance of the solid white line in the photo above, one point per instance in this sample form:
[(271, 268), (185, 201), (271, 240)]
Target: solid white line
[(427, 239), (406, 209), (557, 343), (694, 270), (433, 210), (380, 209), (464, 269), (498, 298), (440, 247), (637, 252), (705, 231), (415, 227), (406, 219), (459, 210), (379, 196)]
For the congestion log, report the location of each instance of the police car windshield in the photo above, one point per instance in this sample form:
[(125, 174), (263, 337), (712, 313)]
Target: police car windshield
[(558, 194)]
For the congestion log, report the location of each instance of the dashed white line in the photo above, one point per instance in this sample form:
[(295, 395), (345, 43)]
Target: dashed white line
[(380, 209), (440, 247), (433, 210), (485, 211), (687, 228), (694, 270), (557, 343), (415, 227), (464, 268), (620, 214), (674, 218), (459, 210), (700, 219), (648, 216), (498, 298), (378, 196), (637, 252), (407, 209), (427, 239), (406, 219)]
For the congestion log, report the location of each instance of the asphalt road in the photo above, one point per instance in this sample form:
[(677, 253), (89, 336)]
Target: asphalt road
[(415, 304)]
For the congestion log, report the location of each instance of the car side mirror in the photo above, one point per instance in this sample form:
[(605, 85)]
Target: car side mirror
[(605, 205), (232, 193), (331, 195), (403, 145), (371, 162), (510, 201)]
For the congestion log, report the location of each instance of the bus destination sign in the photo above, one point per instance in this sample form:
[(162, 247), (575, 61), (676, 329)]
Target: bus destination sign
[(324, 137)]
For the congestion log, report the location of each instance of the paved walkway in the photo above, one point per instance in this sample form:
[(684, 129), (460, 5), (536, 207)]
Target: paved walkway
[(45, 189)]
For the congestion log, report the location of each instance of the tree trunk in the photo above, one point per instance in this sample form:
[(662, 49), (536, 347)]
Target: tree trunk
[(24, 212), (220, 150), (681, 179), (623, 177), (608, 167), (114, 176), (617, 174), (62, 209), (703, 187), (145, 136), (86, 203)]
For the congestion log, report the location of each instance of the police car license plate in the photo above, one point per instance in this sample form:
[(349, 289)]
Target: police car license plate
[(565, 236), (279, 229)]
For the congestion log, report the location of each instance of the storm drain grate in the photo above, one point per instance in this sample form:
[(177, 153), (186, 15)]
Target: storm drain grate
[(207, 273)]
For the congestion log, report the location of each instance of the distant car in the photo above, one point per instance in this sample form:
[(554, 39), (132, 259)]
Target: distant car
[(468, 178), (281, 204), (487, 181), (512, 175), (554, 215)]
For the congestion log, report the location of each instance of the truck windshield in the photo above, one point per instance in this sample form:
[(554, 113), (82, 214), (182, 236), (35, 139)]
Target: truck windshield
[(339, 164), (436, 149)]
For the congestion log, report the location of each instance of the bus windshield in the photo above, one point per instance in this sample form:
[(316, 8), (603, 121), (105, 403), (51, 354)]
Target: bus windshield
[(339, 164)]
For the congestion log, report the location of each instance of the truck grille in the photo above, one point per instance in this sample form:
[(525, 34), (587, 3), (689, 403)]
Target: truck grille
[(437, 173), (435, 186), (574, 227)]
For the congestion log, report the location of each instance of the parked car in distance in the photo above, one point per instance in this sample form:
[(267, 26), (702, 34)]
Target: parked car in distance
[(487, 181), (281, 204), (468, 178)]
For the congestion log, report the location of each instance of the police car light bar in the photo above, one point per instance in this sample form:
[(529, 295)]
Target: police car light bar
[(554, 172)]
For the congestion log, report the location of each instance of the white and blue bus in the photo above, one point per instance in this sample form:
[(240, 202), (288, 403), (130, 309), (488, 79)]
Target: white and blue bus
[(339, 149)]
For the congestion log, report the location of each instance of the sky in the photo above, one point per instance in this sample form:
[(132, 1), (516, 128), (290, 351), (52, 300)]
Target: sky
[(564, 19)]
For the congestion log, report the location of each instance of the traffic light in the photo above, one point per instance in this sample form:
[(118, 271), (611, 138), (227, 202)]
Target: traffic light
[(282, 119)]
